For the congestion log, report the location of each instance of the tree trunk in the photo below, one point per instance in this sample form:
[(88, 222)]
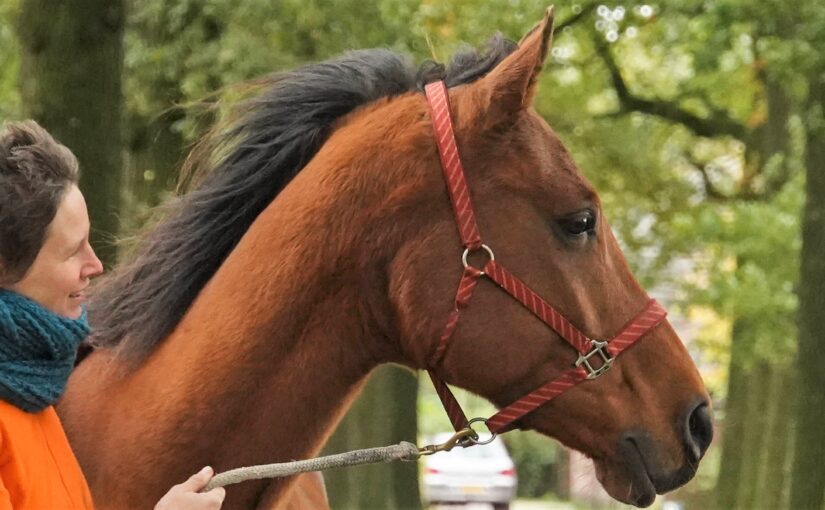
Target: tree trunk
[(808, 466), (70, 79), (755, 431), (733, 432), (754, 436), (751, 435), (384, 414), (156, 152), (156, 147), (774, 465), (765, 438)]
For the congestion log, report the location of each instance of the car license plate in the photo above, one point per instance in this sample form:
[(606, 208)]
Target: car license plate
[(472, 489)]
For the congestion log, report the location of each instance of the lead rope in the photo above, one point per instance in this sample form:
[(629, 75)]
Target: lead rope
[(402, 451)]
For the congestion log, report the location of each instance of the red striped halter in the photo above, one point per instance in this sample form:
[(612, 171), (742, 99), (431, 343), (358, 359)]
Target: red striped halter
[(595, 356)]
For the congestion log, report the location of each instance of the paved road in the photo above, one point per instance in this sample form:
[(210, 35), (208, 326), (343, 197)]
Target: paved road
[(518, 505), (540, 505)]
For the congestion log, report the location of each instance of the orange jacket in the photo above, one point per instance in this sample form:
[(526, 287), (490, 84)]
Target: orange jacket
[(38, 470)]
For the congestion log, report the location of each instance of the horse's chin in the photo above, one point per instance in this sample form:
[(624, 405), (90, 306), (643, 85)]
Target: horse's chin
[(627, 481), (635, 477)]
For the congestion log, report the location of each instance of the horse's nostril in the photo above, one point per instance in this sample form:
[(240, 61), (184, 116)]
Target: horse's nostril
[(699, 430)]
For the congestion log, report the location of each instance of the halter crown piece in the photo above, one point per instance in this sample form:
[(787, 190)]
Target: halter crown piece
[(595, 357)]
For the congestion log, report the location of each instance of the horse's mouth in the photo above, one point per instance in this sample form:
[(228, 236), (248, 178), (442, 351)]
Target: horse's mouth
[(642, 490), (628, 479), (632, 480), (633, 486)]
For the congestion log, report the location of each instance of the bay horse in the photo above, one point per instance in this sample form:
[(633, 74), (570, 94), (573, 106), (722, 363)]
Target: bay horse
[(320, 242)]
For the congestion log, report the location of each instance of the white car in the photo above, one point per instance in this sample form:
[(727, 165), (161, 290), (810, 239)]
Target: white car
[(480, 473)]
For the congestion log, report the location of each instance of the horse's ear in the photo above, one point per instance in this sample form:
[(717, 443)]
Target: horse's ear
[(510, 86)]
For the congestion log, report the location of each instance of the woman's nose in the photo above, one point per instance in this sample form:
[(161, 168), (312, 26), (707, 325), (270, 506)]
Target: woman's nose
[(94, 266)]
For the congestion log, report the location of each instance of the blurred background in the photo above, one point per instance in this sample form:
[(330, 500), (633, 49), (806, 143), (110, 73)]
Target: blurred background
[(700, 122)]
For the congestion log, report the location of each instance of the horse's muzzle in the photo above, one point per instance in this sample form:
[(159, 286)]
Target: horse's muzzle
[(644, 461)]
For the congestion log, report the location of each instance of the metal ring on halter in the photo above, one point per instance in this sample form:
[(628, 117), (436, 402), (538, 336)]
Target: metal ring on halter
[(474, 438), (467, 252)]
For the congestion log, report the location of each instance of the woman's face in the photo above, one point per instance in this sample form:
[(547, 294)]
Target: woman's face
[(60, 274)]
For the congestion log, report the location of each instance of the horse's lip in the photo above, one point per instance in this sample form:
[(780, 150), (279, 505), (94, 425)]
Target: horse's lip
[(642, 491)]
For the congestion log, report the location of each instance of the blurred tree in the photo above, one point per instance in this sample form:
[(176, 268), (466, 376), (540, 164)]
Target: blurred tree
[(807, 490), (808, 472), (384, 414), (759, 120), (778, 107), (161, 41), (70, 79), (539, 464), (9, 62)]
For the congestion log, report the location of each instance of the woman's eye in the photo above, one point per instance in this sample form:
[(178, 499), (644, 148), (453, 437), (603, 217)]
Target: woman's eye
[(579, 224)]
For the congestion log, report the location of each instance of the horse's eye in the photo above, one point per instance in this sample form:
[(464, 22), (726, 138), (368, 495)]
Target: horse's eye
[(579, 224)]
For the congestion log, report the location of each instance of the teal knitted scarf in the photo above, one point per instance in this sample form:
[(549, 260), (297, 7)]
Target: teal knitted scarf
[(37, 352)]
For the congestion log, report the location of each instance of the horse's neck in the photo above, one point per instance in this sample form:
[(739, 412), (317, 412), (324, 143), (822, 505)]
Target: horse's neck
[(258, 371)]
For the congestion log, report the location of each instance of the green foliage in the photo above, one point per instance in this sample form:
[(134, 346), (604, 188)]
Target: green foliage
[(185, 51), (752, 269), (10, 108), (432, 417), (537, 459), (737, 257)]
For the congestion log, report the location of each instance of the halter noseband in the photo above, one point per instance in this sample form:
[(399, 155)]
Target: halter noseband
[(595, 356)]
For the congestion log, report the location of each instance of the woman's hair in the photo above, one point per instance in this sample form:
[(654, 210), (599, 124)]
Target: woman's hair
[(35, 172)]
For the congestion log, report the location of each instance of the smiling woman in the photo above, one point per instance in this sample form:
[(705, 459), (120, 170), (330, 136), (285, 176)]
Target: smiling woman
[(37, 173), (46, 263), (66, 262)]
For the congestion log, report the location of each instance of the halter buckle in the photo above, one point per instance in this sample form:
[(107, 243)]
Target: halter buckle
[(598, 347)]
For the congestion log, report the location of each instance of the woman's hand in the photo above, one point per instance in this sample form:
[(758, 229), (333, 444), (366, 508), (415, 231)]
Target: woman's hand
[(186, 495)]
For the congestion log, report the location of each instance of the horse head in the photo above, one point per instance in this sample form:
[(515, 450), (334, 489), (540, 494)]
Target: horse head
[(646, 422)]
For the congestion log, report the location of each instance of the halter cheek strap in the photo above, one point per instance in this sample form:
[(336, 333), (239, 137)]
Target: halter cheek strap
[(595, 357)]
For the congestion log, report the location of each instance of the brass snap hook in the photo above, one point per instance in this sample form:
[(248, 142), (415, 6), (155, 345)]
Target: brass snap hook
[(462, 437)]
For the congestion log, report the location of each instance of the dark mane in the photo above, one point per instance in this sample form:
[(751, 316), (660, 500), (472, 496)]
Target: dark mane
[(242, 166)]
